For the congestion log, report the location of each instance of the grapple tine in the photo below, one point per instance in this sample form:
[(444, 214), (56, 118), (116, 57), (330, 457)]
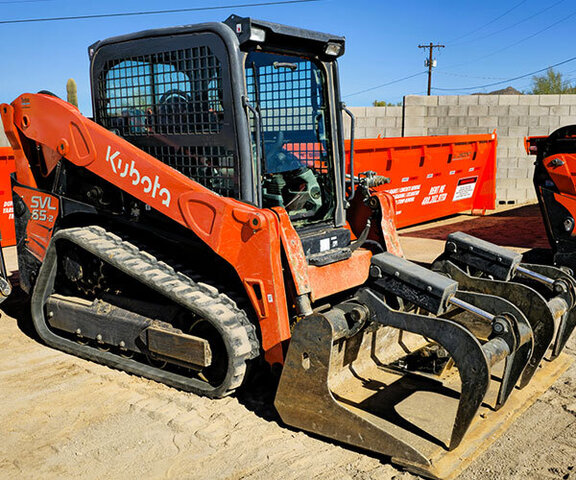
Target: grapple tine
[(519, 357), (525, 298), (563, 305), (458, 341), (565, 330)]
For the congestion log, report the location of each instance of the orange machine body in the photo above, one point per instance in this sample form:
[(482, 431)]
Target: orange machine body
[(250, 239)]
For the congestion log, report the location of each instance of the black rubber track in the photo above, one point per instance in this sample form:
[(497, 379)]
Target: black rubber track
[(203, 300)]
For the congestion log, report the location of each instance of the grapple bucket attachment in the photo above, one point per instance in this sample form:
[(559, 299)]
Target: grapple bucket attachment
[(352, 384), (545, 294)]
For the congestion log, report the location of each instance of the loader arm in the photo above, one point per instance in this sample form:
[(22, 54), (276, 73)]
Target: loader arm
[(243, 235)]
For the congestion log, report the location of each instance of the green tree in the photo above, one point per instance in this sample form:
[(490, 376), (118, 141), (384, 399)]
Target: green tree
[(551, 82), (384, 103)]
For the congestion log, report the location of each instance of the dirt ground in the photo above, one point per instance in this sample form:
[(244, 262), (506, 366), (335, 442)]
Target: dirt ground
[(62, 417)]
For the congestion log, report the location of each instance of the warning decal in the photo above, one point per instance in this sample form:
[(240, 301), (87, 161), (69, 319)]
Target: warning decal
[(465, 188)]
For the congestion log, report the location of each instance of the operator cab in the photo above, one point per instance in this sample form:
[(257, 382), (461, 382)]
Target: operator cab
[(249, 109)]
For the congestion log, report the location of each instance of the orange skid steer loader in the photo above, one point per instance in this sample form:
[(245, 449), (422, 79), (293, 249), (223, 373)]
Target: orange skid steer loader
[(204, 223)]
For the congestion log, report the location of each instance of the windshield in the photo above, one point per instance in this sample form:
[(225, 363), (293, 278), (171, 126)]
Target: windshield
[(297, 167)]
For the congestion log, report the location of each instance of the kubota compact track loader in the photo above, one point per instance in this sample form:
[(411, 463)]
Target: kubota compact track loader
[(204, 222)]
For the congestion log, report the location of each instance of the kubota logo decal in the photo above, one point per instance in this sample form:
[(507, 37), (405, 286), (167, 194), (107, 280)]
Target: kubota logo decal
[(123, 170)]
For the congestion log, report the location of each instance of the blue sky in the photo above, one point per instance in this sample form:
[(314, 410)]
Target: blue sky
[(486, 42)]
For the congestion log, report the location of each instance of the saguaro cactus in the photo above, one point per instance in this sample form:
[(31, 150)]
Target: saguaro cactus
[(72, 92)]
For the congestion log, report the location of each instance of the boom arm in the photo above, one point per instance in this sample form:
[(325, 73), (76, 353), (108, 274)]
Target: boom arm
[(245, 236)]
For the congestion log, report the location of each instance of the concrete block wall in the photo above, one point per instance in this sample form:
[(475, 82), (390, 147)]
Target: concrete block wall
[(512, 116), (3, 140), (374, 121)]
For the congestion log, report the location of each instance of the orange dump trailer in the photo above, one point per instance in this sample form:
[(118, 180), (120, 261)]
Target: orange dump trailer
[(432, 177), (7, 167)]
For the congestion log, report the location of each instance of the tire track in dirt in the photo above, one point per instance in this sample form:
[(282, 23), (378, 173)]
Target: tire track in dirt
[(64, 417)]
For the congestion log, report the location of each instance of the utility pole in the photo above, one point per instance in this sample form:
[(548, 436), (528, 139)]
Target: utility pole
[(430, 62)]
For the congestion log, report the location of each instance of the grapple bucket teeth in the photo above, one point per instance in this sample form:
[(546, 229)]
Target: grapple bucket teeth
[(531, 303), (351, 385), (547, 294)]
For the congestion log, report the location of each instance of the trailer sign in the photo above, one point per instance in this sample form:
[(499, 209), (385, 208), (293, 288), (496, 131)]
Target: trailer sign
[(465, 188)]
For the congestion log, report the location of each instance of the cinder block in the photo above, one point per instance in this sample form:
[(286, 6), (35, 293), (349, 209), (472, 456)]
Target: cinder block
[(447, 99), (547, 100), (536, 131), (488, 100), (568, 99), (439, 111), (508, 99), (414, 122), (387, 121), (479, 130), (375, 111), (468, 100), (526, 162), (478, 110), (366, 121), (438, 131), (430, 122), (507, 121), (525, 183), (488, 121), (537, 111), (509, 142), (360, 132), (567, 120), (457, 131), (415, 111), (503, 165), (499, 110), (528, 100), (372, 132), (422, 100), (549, 121), (531, 196), (517, 173), (414, 131), (392, 132), (412, 100), (505, 183), (501, 194), (395, 111), (518, 131), (519, 110), (358, 111), (528, 121), (467, 121), (457, 110), (559, 110)]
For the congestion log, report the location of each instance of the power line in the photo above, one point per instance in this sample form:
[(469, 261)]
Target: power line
[(479, 87), (469, 76), (24, 1), (475, 60), (385, 84), (153, 12), (540, 12), (489, 23)]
